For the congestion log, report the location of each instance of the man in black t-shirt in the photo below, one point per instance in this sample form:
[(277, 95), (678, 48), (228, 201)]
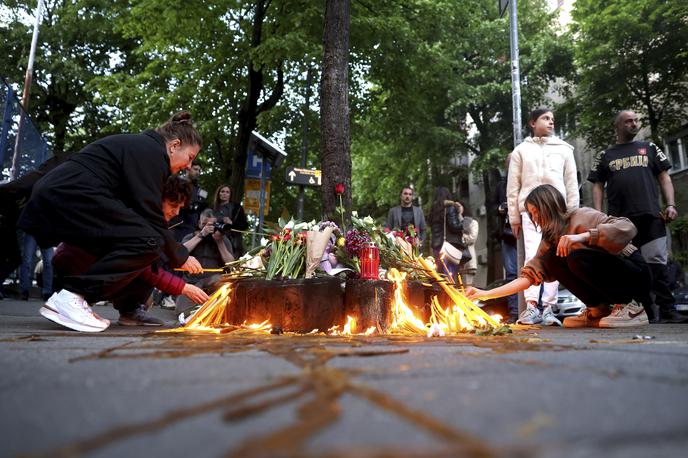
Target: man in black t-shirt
[(631, 171)]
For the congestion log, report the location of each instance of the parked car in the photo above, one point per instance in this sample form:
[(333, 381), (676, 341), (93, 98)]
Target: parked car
[(567, 304), (681, 296)]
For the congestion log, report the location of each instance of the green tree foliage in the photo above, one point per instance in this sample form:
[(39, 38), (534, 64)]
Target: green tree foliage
[(440, 89), (224, 60), (630, 55), (76, 43)]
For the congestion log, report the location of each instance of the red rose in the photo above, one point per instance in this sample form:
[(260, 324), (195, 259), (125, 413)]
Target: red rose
[(339, 188)]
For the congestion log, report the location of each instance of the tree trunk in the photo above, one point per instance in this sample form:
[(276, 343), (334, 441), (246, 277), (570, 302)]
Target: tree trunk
[(334, 109)]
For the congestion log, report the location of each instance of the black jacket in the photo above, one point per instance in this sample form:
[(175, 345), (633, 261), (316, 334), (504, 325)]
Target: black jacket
[(454, 228), (110, 189)]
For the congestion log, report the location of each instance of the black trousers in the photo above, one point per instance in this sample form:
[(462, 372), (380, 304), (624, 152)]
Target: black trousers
[(652, 229), (10, 255), (112, 274), (597, 277)]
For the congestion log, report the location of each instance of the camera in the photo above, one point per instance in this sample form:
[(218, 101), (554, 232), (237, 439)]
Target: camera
[(225, 228)]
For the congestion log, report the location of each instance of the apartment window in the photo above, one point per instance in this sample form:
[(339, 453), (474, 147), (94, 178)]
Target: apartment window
[(674, 155), (677, 150)]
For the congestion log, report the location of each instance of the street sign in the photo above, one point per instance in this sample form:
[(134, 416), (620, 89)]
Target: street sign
[(304, 177), (502, 7), (253, 165), (252, 196)]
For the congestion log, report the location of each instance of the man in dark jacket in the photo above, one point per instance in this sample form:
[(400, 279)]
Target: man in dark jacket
[(406, 214), (107, 200)]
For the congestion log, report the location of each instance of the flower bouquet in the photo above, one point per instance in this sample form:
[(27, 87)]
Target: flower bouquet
[(287, 254)]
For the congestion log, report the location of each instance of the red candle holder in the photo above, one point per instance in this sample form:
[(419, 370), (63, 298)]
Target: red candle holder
[(370, 261)]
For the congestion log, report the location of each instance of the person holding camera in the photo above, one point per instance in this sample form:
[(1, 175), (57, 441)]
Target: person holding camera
[(211, 247)]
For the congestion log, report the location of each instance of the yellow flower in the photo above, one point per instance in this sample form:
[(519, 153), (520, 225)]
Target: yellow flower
[(341, 241)]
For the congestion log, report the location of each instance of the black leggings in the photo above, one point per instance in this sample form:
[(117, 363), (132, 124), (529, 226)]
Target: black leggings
[(112, 272), (597, 277)]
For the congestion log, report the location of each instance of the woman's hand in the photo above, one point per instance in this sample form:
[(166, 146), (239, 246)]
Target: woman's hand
[(196, 294), (516, 229), (566, 242), (192, 266), (475, 293)]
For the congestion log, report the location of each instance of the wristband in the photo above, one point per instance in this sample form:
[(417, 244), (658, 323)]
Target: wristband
[(670, 205)]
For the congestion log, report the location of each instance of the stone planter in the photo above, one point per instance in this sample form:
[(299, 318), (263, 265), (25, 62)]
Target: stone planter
[(299, 305)]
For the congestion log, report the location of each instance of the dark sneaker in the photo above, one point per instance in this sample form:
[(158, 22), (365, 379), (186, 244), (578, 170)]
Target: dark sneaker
[(589, 318), (672, 316), (168, 303), (138, 317)]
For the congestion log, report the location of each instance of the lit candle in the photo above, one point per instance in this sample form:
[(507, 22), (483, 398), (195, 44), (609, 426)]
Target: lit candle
[(370, 261)]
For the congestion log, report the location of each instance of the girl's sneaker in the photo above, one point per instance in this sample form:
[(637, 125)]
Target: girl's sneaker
[(548, 318), (531, 315)]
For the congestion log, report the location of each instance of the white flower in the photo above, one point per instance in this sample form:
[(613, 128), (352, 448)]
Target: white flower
[(354, 213), (302, 226), (264, 241), (435, 331), (290, 224), (369, 220)]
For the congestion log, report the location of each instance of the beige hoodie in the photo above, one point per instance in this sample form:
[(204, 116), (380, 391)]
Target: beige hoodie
[(538, 161)]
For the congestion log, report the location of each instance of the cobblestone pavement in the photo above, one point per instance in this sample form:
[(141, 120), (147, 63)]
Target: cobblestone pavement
[(538, 392)]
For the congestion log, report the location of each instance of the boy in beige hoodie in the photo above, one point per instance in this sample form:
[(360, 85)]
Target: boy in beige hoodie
[(541, 159)]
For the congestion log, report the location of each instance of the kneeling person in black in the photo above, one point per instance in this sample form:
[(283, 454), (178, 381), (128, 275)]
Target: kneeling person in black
[(107, 201)]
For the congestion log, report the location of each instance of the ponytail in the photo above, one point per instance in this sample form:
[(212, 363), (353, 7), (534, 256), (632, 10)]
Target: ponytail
[(180, 127)]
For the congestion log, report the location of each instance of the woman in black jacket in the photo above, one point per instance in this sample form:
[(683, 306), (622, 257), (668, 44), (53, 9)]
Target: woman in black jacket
[(107, 200), (231, 213), (443, 206)]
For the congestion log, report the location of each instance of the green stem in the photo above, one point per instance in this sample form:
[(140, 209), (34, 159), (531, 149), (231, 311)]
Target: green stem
[(341, 208)]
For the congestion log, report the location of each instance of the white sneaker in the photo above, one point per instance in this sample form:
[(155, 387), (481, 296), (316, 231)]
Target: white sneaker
[(72, 311), (625, 315), (548, 317), (531, 315)]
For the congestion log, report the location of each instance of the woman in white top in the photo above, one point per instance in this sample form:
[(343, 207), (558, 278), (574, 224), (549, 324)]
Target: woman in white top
[(541, 159)]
